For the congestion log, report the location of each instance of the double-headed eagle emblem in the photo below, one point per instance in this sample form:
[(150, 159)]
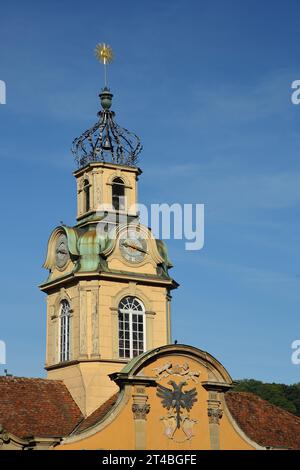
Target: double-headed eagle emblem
[(177, 399)]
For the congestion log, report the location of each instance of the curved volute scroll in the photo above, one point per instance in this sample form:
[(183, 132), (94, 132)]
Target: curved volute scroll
[(62, 243)]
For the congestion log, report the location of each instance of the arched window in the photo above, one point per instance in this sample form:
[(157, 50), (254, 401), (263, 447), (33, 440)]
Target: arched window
[(65, 312), (86, 191), (118, 194), (131, 314)]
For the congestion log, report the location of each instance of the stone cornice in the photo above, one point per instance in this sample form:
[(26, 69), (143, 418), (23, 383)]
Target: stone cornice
[(216, 386), (124, 276), (60, 365), (122, 379), (131, 169)]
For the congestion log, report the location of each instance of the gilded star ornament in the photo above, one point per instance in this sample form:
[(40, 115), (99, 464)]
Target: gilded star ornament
[(104, 53)]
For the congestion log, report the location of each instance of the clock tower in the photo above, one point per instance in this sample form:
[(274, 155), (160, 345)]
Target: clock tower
[(108, 289)]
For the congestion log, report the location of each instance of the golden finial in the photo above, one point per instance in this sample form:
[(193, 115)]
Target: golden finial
[(105, 55)]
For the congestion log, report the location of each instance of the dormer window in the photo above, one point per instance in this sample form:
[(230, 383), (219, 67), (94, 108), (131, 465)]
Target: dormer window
[(118, 194)]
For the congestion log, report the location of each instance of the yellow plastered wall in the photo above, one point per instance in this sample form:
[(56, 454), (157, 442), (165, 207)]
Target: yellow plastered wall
[(229, 437), (118, 433), (94, 319), (156, 438), (121, 433), (71, 294), (154, 300), (94, 335), (88, 383), (100, 176)]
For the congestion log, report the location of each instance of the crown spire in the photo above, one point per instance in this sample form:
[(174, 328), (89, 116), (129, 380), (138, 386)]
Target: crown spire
[(106, 141), (104, 54)]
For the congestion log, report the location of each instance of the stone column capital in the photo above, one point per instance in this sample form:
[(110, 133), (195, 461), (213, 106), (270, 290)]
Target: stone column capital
[(140, 410)]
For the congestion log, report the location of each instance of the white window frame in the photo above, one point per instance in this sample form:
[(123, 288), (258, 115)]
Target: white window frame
[(132, 312), (65, 331)]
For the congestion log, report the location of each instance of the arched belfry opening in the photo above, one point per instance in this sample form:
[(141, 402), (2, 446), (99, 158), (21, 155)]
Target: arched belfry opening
[(118, 194), (86, 192)]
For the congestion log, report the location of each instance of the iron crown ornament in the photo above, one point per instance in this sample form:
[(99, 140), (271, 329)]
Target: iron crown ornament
[(106, 141)]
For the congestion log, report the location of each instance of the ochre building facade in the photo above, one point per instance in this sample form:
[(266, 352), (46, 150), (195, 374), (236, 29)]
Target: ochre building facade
[(114, 378)]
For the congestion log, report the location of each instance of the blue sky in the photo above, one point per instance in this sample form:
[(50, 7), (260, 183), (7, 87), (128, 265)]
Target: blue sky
[(207, 86)]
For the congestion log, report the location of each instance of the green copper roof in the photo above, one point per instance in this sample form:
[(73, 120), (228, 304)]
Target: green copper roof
[(89, 246), (181, 349)]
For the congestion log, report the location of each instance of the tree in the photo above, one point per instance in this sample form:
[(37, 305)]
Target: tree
[(285, 396)]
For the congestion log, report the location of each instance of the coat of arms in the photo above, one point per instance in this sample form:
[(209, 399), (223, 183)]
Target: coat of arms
[(178, 403)]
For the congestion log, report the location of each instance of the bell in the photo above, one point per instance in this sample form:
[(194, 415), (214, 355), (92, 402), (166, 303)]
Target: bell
[(107, 145)]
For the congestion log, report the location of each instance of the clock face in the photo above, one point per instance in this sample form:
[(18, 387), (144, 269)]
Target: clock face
[(61, 251), (133, 246)]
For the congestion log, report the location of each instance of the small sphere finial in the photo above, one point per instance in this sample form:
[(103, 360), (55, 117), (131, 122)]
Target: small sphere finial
[(106, 98)]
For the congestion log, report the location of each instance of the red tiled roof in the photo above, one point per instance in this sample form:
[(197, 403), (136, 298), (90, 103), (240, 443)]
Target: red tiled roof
[(45, 408), (37, 407), (97, 415), (264, 423)]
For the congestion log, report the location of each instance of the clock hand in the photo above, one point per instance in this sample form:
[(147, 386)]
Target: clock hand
[(133, 246), (62, 252), (130, 245)]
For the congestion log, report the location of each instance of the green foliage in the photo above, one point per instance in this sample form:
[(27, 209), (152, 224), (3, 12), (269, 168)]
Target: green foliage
[(286, 397)]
